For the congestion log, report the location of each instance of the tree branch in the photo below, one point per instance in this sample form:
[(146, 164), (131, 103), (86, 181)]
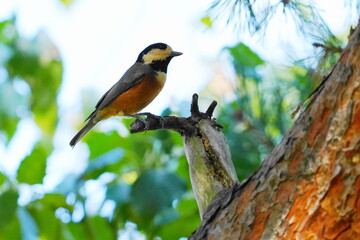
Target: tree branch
[(184, 126), (208, 155)]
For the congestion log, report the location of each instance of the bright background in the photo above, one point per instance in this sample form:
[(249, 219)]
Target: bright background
[(98, 40)]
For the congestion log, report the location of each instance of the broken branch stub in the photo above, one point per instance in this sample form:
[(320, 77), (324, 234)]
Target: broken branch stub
[(207, 152)]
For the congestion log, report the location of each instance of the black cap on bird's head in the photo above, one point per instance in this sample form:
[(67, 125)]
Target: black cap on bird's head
[(161, 46), (157, 53)]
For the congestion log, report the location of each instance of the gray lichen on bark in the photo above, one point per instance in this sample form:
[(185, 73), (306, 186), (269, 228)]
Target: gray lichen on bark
[(210, 165)]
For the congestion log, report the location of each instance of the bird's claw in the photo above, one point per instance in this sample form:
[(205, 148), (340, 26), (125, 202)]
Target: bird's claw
[(150, 115), (138, 117)]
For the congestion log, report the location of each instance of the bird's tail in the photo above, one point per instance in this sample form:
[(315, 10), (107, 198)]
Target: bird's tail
[(89, 125)]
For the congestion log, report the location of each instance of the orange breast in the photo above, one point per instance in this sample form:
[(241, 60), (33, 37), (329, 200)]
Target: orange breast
[(134, 99)]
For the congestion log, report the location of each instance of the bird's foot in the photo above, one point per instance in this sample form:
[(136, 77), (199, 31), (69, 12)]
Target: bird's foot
[(138, 117), (155, 117)]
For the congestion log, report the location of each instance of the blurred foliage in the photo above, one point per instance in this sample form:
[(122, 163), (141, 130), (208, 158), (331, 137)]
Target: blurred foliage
[(329, 52), (256, 120), (147, 180), (30, 80), (256, 15), (143, 184)]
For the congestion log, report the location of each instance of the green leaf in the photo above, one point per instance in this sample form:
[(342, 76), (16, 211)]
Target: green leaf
[(32, 168), (8, 32), (75, 231), (183, 170), (12, 231), (243, 55), (100, 228), (44, 91), (32, 62), (135, 147), (155, 190), (245, 61), (47, 120), (8, 203), (101, 143), (2, 178), (53, 201), (207, 21)]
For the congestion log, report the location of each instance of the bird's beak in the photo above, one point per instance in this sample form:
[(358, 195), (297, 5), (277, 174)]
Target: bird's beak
[(175, 54)]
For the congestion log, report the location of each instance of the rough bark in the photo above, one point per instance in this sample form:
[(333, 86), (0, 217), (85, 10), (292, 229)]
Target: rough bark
[(309, 186)]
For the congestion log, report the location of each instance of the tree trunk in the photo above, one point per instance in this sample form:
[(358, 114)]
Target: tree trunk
[(309, 186)]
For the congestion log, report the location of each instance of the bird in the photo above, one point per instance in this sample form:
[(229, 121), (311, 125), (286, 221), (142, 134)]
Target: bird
[(138, 87)]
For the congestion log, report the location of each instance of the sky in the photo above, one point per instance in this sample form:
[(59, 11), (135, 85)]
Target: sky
[(99, 40)]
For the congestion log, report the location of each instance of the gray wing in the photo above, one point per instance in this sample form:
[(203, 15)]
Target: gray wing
[(130, 78)]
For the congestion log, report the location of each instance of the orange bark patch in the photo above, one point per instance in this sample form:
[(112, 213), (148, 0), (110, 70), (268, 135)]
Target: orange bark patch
[(355, 225), (211, 237), (318, 127), (334, 226), (326, 222), (357, 190), (284, 191), (245, 198), (237, 208), (332, 198), (262, 198), (354, 59), (353, 155), (295, 163), (351, 201), (258, 225), (303, 197), (309, 236), (348, 235), (345, 56), (316, 223)]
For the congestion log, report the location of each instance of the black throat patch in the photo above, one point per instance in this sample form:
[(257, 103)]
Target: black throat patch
[(161, 65)]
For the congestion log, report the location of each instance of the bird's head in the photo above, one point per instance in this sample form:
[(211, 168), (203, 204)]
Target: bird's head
[(157, 53)]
